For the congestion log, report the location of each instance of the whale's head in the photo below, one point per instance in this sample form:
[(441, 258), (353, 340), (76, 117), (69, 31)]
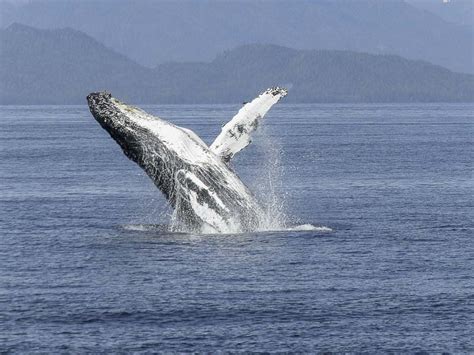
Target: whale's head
[(138, 131)]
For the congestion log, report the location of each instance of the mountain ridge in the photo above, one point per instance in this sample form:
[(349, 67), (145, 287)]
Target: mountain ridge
[(62, 66), (199, 30)]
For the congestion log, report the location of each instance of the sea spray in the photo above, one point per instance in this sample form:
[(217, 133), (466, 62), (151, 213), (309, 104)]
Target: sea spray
[(267, 180)]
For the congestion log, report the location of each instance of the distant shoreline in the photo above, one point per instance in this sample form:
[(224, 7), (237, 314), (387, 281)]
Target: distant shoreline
[(63, 66)]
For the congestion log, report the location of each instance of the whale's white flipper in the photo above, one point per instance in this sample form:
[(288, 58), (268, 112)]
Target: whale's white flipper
[(235, 135)]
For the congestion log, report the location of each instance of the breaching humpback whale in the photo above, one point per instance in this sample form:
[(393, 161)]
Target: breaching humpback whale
[(205, 193)]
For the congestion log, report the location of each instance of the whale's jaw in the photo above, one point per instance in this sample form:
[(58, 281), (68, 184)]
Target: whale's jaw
[(205, 194)]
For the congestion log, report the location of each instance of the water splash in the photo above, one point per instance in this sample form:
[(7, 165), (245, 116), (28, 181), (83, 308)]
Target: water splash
[(267, 181)]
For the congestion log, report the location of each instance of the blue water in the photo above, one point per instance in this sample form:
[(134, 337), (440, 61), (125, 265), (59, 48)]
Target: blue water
[(87, 266)]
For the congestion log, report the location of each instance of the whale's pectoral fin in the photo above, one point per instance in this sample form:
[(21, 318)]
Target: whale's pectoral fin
[(235, 135)]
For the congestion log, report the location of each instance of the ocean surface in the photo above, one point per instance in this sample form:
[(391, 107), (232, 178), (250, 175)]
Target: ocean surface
[(382, 260)]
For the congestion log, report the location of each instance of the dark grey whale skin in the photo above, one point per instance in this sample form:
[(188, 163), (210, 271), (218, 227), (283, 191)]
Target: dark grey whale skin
[(169, 172)]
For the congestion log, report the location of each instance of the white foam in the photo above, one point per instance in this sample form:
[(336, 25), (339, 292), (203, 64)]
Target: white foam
[(310, 227), (209, 230)]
